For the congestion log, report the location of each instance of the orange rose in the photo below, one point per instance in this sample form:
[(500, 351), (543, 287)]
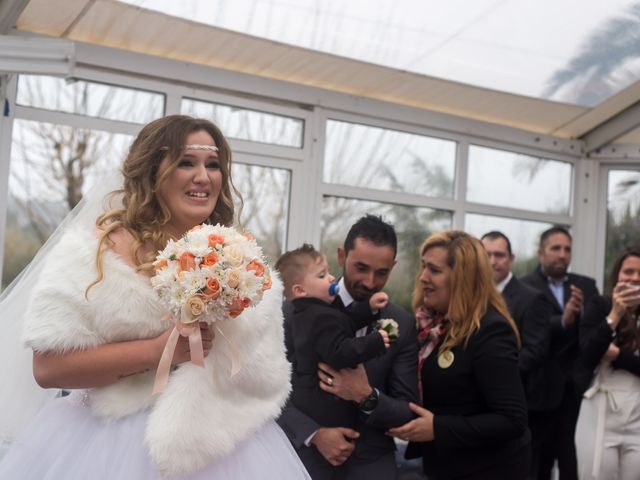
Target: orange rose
[(210, 259), (187, 262), (266, 284), (161, 264), (257, 267), (212, 290), (235, 307), (196, 228), (215, 240), (245, 302), (247, 235)]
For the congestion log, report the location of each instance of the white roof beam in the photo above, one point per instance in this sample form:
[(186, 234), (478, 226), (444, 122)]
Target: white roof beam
[(10, 10), (612, 129), (39, 56)]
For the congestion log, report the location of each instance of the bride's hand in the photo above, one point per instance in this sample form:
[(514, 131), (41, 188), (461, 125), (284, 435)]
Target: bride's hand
[(182, 353)]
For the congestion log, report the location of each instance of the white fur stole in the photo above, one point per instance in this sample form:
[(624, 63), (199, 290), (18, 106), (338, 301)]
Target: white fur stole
[(203, 413)]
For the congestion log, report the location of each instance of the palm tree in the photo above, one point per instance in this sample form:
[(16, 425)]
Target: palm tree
[(598, 70)]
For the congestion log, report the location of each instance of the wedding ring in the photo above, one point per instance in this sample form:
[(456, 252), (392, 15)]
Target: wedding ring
[(330, 381)]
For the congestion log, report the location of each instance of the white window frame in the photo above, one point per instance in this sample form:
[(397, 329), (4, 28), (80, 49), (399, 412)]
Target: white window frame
[(603, 167), (177, 80)]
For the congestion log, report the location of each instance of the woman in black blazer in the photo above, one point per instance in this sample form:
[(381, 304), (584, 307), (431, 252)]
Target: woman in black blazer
[(473, 423)]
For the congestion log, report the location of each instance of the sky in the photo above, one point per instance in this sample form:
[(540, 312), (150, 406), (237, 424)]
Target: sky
[(510, 45)]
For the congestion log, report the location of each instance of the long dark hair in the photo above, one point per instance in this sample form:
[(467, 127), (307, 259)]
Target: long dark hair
[(628, 331)]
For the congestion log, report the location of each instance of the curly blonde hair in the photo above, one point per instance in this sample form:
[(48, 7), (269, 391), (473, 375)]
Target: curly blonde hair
[(144, 213), (471, 285)]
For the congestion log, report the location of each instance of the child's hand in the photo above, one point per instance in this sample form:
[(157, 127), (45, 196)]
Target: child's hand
[(378, 301), (385, 338)]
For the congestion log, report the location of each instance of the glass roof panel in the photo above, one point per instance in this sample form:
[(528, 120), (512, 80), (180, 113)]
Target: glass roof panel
[(573, 51)]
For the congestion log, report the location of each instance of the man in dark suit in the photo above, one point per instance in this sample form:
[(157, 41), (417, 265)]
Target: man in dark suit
[(530, 310), (383, 387), (553, 421), (528, 306)]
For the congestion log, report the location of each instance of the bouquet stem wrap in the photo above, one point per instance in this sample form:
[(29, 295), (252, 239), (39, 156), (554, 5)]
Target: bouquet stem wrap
[(195, 349), (197, 353)]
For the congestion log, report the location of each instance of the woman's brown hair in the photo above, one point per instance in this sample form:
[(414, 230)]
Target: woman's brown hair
[(628, 331), (143, 213), (472, 288)]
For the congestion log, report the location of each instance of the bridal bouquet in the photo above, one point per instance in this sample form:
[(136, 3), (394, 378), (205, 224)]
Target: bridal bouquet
[(210, 274)]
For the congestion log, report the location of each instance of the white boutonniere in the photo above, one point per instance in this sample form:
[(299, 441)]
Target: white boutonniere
[(390, 326)]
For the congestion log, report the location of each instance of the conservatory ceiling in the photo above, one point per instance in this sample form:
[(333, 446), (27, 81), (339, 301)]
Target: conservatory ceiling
[(564, 68)]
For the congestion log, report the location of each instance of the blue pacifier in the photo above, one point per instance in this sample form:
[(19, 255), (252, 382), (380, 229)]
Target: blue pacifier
[(334, 288)]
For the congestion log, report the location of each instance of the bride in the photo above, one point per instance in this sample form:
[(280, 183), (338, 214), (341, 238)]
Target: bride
[(95, 327)]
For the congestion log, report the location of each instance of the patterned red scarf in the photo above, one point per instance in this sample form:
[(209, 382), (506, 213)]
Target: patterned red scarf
[(431, 328)]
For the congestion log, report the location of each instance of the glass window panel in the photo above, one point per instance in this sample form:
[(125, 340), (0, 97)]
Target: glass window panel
[(623, 215), (515, 180), (90, 99), (413, 225), (46, 161), (243, 124), (373, 157), (524, 236), (265, 192)]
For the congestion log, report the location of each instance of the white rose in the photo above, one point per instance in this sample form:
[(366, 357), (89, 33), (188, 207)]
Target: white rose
[(233, 279), (390, 326), (192, 309), (233, 256)]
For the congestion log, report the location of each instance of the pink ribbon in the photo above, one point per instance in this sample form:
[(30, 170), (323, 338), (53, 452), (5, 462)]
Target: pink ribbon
[(197, 353), (235, 358), (195, 342), (195, 350)]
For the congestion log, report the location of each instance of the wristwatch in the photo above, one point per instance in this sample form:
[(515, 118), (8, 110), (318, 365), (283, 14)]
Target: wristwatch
[(370, 402)]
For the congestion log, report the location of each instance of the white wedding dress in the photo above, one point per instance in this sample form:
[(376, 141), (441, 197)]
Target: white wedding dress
[(205, 425), (67, 442)]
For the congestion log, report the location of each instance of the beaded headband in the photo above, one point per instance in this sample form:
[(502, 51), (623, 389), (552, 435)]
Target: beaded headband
[(209, 148)]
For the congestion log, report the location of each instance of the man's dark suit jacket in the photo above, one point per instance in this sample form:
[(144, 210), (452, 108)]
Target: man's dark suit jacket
[(551, 380), (479, 407), (321, 332), (394, 375), (530, 310)]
